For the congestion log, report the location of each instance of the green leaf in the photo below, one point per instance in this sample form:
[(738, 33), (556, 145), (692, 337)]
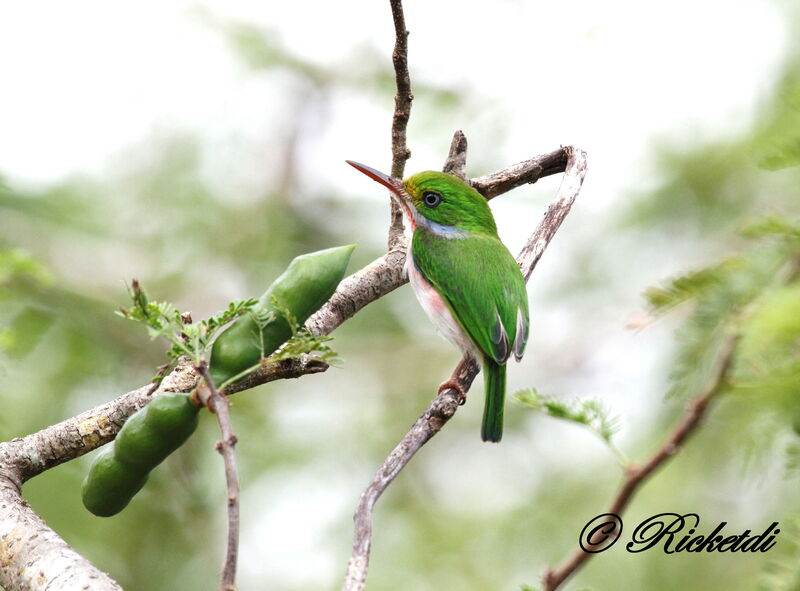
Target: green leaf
[(719, 308), (305, 343), (591, 413), (686, 287)]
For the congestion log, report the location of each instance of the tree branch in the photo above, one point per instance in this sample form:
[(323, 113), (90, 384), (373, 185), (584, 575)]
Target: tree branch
[(402, 112), (25, 457), (445, 405), (33, 556), (218, 404), (527, 171), (635, 476), (457, 157)]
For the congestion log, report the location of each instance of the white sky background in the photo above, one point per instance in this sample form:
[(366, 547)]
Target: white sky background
[(82, 81)]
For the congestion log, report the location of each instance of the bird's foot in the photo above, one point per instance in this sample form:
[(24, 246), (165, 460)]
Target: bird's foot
[(453, 384)]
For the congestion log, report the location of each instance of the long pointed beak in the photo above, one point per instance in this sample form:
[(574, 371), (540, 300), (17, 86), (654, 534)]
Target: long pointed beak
[(393, 185)]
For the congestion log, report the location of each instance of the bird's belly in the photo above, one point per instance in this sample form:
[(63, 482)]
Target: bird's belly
[(436, 309)]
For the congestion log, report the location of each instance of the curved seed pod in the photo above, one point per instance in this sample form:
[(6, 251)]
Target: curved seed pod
[(156, 430), (110, 485), (148, 436), (306, 284)]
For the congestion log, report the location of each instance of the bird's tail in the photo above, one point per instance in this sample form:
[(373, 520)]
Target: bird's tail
[(494, 379)]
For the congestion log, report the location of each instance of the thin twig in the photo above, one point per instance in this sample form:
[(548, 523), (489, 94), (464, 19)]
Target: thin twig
[(635, 476), (440, 410), (218, 404), (283, 369), (402, 112), (445, 405)]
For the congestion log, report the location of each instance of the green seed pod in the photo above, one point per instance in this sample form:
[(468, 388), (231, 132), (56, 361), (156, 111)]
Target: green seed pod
[(155, 431), (110, 485), (137, 443), (145, 440), (174, 417), (306, 284)]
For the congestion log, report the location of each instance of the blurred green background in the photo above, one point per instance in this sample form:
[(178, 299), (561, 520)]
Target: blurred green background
[(198, 147)]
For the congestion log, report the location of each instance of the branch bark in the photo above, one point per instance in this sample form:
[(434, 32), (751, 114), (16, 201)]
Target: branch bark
[(219, 404), (446, 403), (33, 556), (456, 161), (402, 112), (635, 476), (527, 171)]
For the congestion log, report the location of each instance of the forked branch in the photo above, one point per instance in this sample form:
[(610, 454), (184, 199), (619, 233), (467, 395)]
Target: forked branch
[(446, 403)]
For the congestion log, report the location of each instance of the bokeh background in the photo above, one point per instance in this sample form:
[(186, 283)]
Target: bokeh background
[(198, 146)]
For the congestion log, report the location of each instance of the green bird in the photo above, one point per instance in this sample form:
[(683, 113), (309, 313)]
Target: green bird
[(464, 277)]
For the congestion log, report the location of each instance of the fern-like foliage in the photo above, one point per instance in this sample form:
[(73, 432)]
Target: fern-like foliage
[(194, 339), (164, 320), (305, 343), (724, 296), (591, 413), (755, 296)]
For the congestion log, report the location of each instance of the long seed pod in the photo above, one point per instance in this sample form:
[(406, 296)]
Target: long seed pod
[(307, 283)]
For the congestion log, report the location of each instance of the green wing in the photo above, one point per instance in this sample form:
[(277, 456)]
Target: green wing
[(482, 285)]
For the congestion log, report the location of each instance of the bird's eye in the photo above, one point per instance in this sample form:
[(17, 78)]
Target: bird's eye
[(431, 198)]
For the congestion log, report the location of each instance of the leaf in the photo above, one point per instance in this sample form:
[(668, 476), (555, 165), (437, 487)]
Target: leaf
[(305, 343), (591, 413), (684, 288), (718, 310)]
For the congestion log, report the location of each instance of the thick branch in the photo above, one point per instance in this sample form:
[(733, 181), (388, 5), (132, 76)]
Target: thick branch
[(445, 405), (635, 476), (402, 112), (23, 458), (34, 557)]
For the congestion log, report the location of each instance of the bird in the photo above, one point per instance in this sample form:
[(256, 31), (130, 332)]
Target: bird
[(464, 277)]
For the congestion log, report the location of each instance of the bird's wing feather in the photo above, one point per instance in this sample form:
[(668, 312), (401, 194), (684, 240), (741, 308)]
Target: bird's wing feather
[(482, 285)]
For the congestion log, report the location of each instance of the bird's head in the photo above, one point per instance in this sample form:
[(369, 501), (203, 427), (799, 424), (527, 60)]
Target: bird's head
[(437, 200)]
